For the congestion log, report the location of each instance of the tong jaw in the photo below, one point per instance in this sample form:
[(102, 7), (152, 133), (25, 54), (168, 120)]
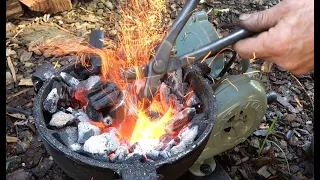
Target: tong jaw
[(158, 66)]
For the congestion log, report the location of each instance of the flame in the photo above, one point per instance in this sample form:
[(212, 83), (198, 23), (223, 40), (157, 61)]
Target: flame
[(141, 29)]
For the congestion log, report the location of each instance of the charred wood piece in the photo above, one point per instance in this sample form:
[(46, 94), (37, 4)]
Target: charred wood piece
[(60, 119), (180, 119), (175, 82), (41, 75), (70, 80), (87, 130), (164, 95), (50, 104)]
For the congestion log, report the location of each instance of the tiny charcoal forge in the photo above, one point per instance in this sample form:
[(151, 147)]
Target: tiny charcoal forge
[(96, 124)]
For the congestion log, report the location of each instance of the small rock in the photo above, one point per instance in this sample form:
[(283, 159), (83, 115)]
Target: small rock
[(309, 123), (290, 157), (25, 56), (306, 146), (60, 119), (263, 171), (43, 167), (294, 168), (19, 175), (262, 132), (290, 117), (86, 130), (294, 125), (51, 101), (293, 141), (101, 5), (12, 163), (283, 144), (109, 5), (289, 135), (303, 132), (99, 11)]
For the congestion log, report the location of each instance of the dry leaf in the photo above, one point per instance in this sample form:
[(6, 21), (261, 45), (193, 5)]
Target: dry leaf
[(11, 139), (25, 82), (11, 67), (25, 56), (266, 66), (17, 115)]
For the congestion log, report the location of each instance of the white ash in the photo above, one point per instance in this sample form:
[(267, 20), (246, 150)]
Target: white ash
[(87, 130), (88, 83), (107, 120), (178, 148), (120, 154), (101, 144), (157, 155), (51, 102), (60, 119), (192, 100), (188, 134), (68, 79), (81, 116), (164, 95), (75, 147), (170, 145)]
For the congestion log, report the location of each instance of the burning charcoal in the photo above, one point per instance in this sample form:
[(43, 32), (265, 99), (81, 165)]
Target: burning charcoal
[(180, 119), (193, 100), (188, 134), (136, 148), (101, 144), (103, 94), (60, 119), (118, 112), (164, 95), (86, 130), (107, 120), (170, 145), (68, 135), (51, 102), (93, 114), (71, 81), (164, 140), (120, 154), (173, 100), (157, 155), (88, 83), (154, 114), (175, 82), (139, 85)]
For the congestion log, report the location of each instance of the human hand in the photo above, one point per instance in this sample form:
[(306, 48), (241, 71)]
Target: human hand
[(287, 37)]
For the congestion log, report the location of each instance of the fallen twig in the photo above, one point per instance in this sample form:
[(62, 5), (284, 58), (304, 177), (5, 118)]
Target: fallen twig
[(11, 67), (282, 153), (11, 109), (305, 91), (18, 93)]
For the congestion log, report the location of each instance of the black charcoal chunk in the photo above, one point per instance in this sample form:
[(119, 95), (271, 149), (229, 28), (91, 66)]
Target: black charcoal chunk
[(175, 82), (68, 79), (86, 130), (120, 154), (51, 102), (68, 135), (93, 114), (41, 75), (181, 119), (118, 112), (60, 119), (101, 144)]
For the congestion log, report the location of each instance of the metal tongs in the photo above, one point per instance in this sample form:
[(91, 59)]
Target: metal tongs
[(163, 63)]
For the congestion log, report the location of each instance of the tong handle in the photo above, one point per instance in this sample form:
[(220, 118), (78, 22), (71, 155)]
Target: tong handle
[(214, 47)]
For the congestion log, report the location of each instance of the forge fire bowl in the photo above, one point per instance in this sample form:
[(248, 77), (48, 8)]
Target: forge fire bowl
[(81, 167)]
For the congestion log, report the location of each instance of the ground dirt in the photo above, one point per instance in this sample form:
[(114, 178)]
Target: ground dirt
[(27, 157)]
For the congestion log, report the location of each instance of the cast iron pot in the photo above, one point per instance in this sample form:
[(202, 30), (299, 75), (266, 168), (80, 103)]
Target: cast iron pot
[(81, 167)]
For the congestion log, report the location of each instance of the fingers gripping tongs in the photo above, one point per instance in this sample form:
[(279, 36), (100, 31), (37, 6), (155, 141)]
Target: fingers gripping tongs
[(163, 63)]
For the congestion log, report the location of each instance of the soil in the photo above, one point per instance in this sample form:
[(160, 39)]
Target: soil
[(27, 157)]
